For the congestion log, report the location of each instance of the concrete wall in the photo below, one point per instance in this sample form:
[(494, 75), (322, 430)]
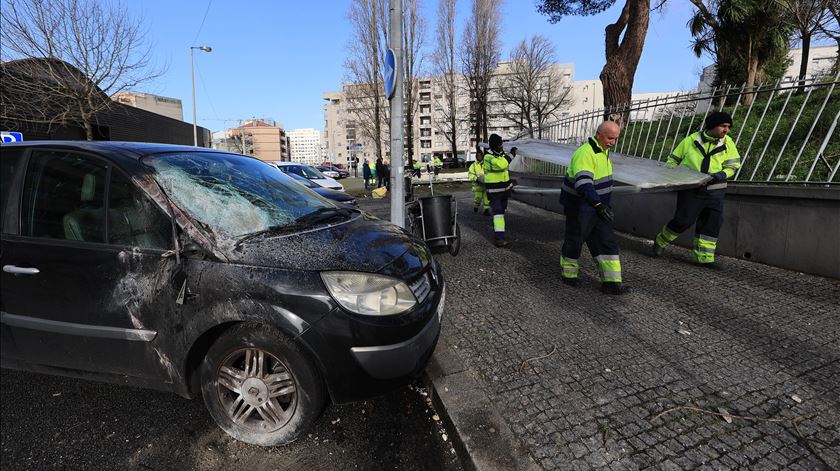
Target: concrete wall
[(792, 227)]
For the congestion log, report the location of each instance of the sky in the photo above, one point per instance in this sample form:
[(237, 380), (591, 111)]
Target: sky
[(274, 58)]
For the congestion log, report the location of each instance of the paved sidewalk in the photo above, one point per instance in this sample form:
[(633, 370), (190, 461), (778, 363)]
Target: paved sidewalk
[(579, 380)]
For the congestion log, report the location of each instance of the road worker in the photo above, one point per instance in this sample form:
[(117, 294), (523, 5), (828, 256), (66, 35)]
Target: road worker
[(476, 174), (497, 184), (585, 196), (712, 152)]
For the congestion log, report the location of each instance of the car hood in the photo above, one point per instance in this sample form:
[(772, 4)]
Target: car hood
[(334, 195), (328, 183), (360, 244)]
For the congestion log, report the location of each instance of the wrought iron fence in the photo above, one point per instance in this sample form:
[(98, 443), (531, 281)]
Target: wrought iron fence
[(785, 131)]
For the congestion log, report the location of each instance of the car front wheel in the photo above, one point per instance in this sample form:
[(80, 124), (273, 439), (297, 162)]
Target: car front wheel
[(260, 387)]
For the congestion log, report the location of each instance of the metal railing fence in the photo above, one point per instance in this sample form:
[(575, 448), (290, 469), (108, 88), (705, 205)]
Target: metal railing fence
[(786, 133)]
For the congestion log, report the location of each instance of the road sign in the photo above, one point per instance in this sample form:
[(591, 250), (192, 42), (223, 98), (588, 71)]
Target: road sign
[(390, 76), (10, 136)]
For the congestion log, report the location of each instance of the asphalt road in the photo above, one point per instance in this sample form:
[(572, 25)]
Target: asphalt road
[(60, 423)]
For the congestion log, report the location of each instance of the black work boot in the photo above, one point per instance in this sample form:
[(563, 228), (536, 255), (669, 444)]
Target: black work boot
[(501, 243), (573, 282), (475, 209), (614, 288), (657, 250)]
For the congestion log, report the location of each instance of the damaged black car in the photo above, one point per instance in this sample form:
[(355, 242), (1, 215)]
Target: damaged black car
[(207, 273)]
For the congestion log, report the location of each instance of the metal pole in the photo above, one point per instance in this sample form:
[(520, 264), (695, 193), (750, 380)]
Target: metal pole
[(397, 171), (195, 128)]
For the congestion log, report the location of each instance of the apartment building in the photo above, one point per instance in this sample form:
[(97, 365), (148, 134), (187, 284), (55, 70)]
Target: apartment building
[(262, 139), (305, 146), (169, 107), (430, 129)]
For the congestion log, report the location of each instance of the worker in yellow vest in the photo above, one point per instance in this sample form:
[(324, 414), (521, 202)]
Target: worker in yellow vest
[(497, 183), (476, 174)]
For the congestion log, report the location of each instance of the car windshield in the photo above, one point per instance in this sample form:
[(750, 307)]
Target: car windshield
[(231, 194), (304, 170)]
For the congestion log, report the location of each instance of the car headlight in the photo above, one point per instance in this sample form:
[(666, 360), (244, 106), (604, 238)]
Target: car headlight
[(368, 294)]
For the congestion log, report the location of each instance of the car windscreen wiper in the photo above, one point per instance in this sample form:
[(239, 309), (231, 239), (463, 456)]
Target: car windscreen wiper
[(279, 228), (323, 215)]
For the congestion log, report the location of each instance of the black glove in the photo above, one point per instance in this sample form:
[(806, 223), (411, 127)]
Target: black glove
[(604, 212), (719, 177), (513, 151)]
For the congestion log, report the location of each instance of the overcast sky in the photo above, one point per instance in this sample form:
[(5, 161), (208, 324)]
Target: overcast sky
[(274, 59)]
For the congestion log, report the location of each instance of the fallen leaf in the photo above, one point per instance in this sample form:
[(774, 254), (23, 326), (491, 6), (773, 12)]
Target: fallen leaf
[(796, 398), (725, 415)]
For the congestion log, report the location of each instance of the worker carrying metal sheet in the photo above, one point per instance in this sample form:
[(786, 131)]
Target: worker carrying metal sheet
[(711, 152), (585, 196)]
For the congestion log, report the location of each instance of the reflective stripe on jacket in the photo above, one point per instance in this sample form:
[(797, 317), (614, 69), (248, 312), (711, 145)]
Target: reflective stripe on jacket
[(589, 177), (706, 154), (496, 176)]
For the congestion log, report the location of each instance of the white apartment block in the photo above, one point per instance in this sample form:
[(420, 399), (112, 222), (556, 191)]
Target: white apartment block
[(169, 107), (305, 146), (342, 141)]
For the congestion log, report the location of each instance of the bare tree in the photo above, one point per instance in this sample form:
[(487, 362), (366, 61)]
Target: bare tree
[(364, 96), (480, 52), (806, 16), (414, 32), (831, 28), (63, 59), (446, 72), (532, 88)]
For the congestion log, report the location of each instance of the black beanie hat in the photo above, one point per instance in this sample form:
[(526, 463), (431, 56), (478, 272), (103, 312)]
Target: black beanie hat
[(495, 140), (717, 118)]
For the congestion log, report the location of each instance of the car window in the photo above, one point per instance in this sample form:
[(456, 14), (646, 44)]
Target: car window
[(64, 197), (133, 219), (9, 161), (231, 194)]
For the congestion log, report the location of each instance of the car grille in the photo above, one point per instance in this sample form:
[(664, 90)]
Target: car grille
[(421, 287)]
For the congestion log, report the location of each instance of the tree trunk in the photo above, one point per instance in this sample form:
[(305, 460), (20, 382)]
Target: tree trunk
[(752, 73), (88, 130), (623, 58), (806, 52)]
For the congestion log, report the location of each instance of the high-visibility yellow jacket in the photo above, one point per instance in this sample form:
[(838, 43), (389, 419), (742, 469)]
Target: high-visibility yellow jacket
[(589, 177), (703, 153), (496, 177), (438, 162), (476, 174)]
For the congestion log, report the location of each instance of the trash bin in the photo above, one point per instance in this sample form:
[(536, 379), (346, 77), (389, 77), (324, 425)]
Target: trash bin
[(437, 220), (409, 191)]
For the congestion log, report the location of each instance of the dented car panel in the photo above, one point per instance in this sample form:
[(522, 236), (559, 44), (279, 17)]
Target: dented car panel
[(145, 312)]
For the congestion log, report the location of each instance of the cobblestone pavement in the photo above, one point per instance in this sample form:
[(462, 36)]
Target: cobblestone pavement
[(591, 381)]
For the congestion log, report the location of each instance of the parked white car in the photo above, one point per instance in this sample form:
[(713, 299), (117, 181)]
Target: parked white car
[(310, 173)]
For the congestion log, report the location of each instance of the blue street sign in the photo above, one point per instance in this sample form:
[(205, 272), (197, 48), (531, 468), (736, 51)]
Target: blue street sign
[(390, 76), (9, 136)]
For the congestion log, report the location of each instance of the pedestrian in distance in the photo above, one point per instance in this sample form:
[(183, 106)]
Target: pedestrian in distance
[(366, 174), (386, 174), (416, 169), (585, 196), (379, 172), (438, 165), (476, 175), (498, 186), (712, 152)]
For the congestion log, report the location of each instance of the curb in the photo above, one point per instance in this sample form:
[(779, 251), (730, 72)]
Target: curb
[(481, 437)]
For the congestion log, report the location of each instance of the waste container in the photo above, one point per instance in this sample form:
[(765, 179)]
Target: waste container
[(437, 221)]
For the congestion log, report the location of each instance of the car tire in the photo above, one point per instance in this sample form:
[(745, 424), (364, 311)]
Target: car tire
[(260, 386)]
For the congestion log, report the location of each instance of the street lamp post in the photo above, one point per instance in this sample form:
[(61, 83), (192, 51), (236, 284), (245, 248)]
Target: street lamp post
[(192, 67)]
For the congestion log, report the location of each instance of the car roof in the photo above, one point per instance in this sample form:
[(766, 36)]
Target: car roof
[(127, 149)]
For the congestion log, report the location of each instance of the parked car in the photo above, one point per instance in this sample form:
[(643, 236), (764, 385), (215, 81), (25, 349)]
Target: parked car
[(338, 196), (330, 173), (207, 273), (311, 173), (340, 172)]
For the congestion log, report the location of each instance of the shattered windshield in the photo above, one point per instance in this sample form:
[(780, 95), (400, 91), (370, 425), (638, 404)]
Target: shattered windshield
[(232, 194)]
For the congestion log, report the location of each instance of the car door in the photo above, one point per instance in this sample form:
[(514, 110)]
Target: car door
[(83, 278)]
